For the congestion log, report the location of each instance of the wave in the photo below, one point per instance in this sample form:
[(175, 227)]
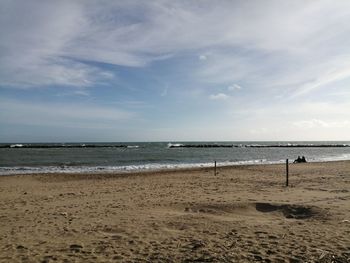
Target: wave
[(175, 145), (16, 145), (132, 146)]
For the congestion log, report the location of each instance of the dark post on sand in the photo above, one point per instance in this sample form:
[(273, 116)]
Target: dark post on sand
[(287, 172), (214, 167)]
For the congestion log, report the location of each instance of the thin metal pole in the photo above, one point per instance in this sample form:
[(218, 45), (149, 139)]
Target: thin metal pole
[(287, 172)]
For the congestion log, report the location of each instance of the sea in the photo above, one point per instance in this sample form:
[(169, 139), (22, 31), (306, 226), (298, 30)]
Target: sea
[(120, 157)]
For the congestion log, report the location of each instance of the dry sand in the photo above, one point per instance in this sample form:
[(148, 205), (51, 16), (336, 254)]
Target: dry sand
[(243, 214)]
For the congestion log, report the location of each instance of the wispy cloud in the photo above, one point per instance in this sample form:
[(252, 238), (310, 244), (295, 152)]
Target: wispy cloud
[(61, 114), (326, 78), (316, 123), (227, 95), (164, 92), (218, 96), (48, 72), (202, 57), (234, 87)]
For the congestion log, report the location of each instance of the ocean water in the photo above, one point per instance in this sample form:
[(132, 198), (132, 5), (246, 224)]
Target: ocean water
[(126, 157)]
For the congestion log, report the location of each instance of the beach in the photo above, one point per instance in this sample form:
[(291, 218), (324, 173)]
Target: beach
[(241, 214)]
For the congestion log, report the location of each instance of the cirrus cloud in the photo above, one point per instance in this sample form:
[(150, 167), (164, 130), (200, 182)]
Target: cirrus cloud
[(219, 96)]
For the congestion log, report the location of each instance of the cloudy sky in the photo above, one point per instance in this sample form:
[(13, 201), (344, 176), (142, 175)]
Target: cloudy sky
[(85, 70)]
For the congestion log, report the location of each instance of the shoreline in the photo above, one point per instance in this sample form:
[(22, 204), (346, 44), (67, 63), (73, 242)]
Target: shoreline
[(242, 214), (188, 168)]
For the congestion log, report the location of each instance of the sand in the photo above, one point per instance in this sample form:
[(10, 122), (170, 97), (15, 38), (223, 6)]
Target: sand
[(242, 214)]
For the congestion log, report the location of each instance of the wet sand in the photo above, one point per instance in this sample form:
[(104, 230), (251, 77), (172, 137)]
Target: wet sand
[(242, 214)]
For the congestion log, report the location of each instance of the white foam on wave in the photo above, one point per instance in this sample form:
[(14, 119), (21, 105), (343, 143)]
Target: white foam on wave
[(16, 145), (170, 145), (132, 146)]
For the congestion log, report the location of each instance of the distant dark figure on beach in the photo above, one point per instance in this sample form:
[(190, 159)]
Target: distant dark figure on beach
[(300, 160), (297, 160)]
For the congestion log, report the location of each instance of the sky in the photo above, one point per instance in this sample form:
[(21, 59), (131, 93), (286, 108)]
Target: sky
[(88, 70)]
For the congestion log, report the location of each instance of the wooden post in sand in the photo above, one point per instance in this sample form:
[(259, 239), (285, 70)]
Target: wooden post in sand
[(214, 167), (287, 172)]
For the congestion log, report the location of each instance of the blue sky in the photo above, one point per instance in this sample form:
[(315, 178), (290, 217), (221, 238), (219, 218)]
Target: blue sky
[(174, 70)]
